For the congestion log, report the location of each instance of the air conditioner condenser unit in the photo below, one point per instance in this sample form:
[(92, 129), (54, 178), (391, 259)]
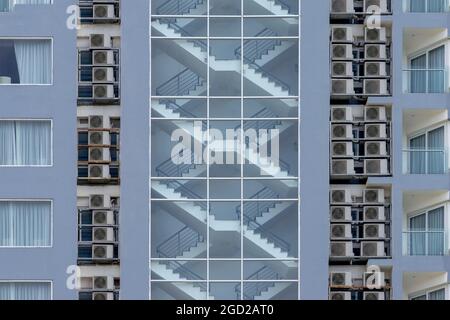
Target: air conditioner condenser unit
[(341, 114), (342, 69), (342, 87), (373, 214), (342, 6), (375, 149), (341, 279), (375, 87), (374, 231), (344, 295), (341, 249), (341, 214), (340, 196), (342, 34), (343, 167), (375, 69), (342, 51), (372, 249), (376, 167), (341, 231)]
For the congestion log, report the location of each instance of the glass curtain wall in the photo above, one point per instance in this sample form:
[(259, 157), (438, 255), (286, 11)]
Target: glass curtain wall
[(224, 149)]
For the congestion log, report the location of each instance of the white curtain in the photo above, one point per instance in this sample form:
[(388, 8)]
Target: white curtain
[(427, 5), (436, 158), (419, 74), (417, 157), (4, 6), (32, 1), (25, 224), (25, 291), (437, 295), (417, 228), (436, 64), (25, 143), (436, 232), (34, 59)]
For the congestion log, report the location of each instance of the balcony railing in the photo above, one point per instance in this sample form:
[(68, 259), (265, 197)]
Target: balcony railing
[(421, 161), (426, 6), (425, 243), (425, 81)]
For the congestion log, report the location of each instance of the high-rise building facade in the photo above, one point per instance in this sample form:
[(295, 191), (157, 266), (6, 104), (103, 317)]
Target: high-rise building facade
[(234, 150)]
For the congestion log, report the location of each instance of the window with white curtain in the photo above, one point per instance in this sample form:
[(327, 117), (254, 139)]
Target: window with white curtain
[(8, 5), (25, 224), (25, 143), (26, 61), (25, 290)]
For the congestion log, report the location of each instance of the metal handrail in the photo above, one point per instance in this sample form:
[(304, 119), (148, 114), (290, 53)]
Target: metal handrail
[(425, 155), (180, 242), (256, 289), (179, 187), (424, 238), (180, 84), (170, 169), (177, 7), (254, 49), (261, 124), (426, 75), (184, 272), (256, 209), (271, 237), (284, 86), (172, 105), (172, 24)]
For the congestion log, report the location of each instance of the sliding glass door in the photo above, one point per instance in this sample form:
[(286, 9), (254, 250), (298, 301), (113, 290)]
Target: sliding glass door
[(428, 72), (427, 233), (427, 153)]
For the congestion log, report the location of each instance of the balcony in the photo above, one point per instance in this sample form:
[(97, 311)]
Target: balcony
[(425, 81), (425, 142), (424, 223), (426, 6)]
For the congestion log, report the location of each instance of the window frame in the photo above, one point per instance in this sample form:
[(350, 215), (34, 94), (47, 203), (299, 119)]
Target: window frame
[(51, 165), (51, 224), (32, 281), (52, 58)]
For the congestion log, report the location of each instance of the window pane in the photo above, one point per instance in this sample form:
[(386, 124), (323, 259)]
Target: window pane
[(25, 143), (25, 62), (25, 224), (25, 291)]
